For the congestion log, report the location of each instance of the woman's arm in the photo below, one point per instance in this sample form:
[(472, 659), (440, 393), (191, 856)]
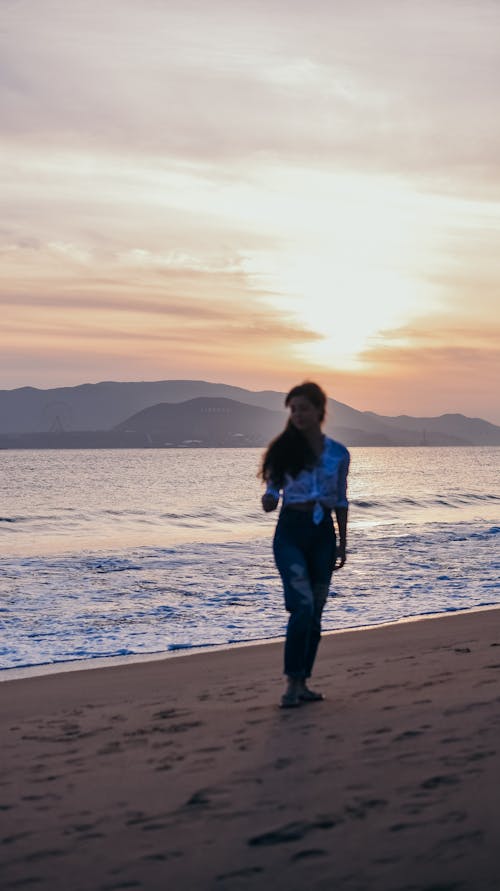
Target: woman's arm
[(270, 498), (269, 502), (341, 514)]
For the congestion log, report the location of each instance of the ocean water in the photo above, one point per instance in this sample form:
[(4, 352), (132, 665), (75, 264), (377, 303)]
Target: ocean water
[(127, 553)]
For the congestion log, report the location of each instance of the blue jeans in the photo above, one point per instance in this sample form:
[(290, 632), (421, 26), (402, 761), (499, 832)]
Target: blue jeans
[(305, 557)]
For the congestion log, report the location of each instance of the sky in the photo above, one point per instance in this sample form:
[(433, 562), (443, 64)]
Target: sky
[(254, 193)]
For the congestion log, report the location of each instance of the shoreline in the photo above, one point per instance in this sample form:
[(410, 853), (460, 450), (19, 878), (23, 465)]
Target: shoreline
[(185, 773), (102, 662)]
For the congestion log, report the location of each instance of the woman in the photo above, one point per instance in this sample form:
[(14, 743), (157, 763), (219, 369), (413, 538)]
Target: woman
[(310, 470)]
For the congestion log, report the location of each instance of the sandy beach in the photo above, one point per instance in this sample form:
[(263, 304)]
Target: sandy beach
[(183, 772)]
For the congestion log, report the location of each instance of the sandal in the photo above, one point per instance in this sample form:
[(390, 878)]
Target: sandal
[(290, 700), (307, 695)]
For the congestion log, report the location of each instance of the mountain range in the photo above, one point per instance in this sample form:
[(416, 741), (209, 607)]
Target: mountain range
[(183, 413)]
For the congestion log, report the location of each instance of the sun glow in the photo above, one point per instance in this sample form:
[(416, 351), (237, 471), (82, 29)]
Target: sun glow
[(356, 262), (348, 305)]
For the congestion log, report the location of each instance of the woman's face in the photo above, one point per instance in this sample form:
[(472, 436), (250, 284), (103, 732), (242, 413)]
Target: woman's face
[(303, 414)]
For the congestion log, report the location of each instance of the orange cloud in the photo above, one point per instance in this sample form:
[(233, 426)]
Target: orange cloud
[(426, 371)]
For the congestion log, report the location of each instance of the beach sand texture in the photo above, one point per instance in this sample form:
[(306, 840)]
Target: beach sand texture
[(183, 773)]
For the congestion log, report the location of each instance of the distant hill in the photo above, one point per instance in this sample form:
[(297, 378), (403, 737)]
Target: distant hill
[(205, 422), (102, 413), (472, 430)]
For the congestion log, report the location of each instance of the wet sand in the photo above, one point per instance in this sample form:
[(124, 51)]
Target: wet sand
[(183, 773)]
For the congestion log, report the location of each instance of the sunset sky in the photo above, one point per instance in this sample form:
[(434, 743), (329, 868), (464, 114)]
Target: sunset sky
[(254, 193)]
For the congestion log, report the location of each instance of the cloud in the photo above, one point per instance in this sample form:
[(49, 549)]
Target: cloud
[(431, 367), (385, 86), (187, 321), (171, 347)]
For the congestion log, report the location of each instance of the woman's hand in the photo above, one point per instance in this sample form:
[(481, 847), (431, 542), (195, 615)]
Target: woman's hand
[(340, 557), (269, 502)]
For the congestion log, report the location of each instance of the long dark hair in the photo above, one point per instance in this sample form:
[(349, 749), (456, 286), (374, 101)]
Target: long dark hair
[(290, 452)]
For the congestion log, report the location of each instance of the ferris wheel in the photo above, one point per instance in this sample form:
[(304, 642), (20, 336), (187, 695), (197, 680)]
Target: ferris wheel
[(57, 417)]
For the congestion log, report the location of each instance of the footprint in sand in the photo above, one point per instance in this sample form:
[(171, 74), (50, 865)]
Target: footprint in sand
[(198, 799), (240, 873), (408, 734), (453, 817), (44, 855), (439, 781), (308, 854), (402, 827), (161, 855), (12, 839), (281, 763), (359, 809), (118, 886), (183, 728), (290, 832), (169, 713), (456, 841), (210, 749)]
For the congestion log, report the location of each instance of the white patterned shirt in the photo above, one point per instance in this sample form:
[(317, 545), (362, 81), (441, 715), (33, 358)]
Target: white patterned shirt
[(325, 483)]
